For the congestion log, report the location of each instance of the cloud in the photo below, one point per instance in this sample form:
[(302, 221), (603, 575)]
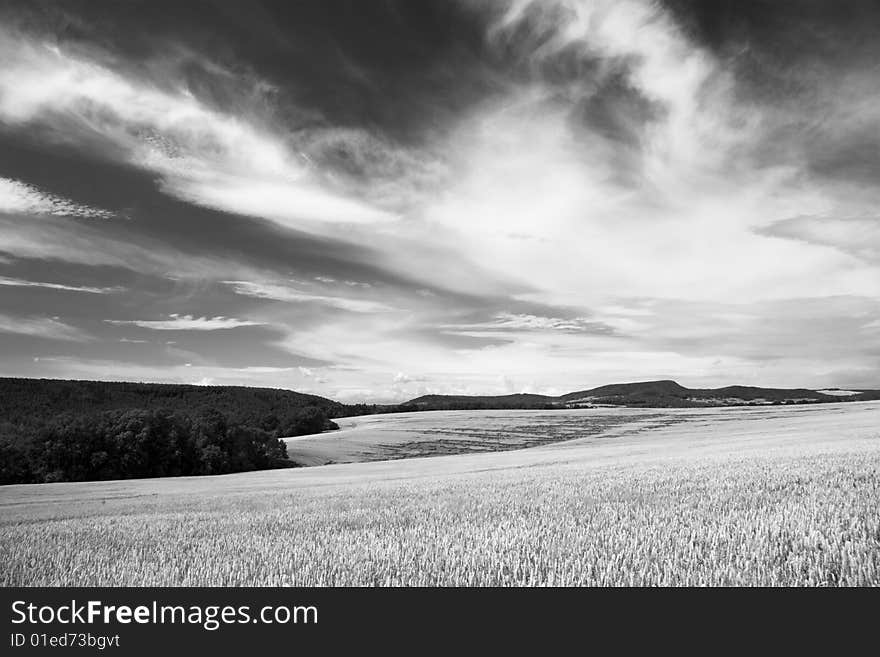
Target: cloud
[(526, 322), (605, 195), (858, 236), (636, 43), (201, 154), (809, 334), (78, 243), (280, 292), (311, 375), (673, 210), (17, 197), (42, 327), (186, 323), (17, 282), (377, 169)]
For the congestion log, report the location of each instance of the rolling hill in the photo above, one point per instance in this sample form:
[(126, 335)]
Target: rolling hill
[(468, 402), (646, 394)]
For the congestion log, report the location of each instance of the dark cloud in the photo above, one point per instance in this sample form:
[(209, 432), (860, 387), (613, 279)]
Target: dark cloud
[(783, 34), (806, 66), (854, 157), (618, 111), (401, 68)]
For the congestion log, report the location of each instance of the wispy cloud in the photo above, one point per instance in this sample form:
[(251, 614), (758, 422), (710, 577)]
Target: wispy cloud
[(42, 327), (859, 236), (17, 282), (91, 244), (280, 292), (201, 154), (638, 45), (527, 322), (17, 197), (177, 322)]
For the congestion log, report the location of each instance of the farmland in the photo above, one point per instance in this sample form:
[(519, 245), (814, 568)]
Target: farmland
[(434, 433), (751, 496)]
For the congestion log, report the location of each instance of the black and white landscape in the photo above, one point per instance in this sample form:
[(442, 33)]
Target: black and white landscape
[(474, 292)]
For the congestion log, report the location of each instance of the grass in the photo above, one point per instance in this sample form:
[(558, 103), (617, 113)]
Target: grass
[(787, 497)]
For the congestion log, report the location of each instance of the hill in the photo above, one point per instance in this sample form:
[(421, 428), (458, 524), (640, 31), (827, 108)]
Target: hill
[(752, 393), (667, 393), (659, 388), (476, 402), (650, 393), (646, 394)]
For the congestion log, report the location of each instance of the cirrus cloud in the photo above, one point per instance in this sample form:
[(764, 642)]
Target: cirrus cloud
[(17, 197), (42, 327), (281, 292), (176, 322), (200, 154), (17, 282)]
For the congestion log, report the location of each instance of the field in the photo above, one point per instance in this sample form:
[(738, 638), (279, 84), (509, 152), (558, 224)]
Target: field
[(435, 433), (763, 496)]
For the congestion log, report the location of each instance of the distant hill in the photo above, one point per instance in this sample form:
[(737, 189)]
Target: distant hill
[(646, 394), (25, 399), (468, 402), (750, 393), (672, 394), (646, 389)]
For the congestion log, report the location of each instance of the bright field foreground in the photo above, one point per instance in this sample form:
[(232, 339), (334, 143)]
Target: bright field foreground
[(786, 495)]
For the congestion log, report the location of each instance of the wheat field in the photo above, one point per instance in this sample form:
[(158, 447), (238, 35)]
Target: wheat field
[(782, 496)]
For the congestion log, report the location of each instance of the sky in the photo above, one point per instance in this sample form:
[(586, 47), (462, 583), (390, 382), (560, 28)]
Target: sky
[(372, 201)]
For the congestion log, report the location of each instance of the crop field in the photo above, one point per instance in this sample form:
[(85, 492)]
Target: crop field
[(435, 433), (769, 496)]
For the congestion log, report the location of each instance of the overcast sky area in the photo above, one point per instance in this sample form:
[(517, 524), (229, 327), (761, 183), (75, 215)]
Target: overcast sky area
[(376, 200)]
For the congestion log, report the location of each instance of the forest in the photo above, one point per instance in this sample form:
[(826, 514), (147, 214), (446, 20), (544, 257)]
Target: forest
[(53, 430)]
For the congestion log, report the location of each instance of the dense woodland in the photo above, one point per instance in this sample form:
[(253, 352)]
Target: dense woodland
[(84, 430), (136, 443)]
